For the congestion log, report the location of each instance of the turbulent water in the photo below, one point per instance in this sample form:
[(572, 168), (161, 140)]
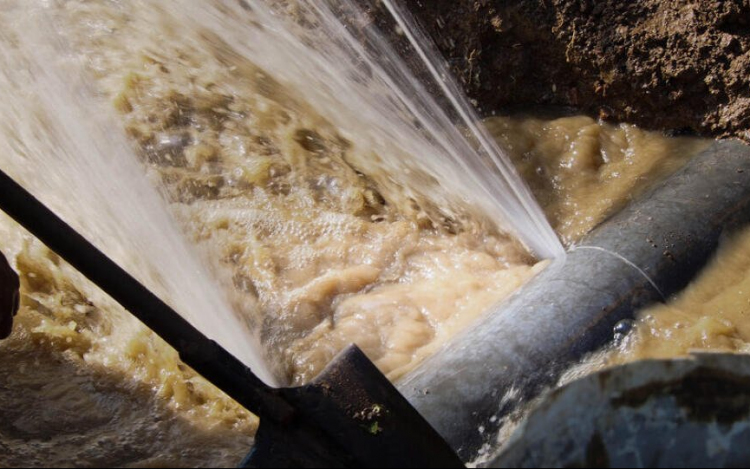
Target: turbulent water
[(330, 53), (272, 190), (64, 146), (315, 204), (380, 120)]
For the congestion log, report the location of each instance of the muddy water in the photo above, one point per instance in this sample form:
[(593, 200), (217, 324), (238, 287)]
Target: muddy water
[(93, 404), (712, 314), (83, 384), (316, 253), (582, 172), (319, 253)]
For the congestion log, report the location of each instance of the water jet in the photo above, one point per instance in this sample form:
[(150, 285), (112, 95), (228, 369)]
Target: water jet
[(641, 256), (602, 281)]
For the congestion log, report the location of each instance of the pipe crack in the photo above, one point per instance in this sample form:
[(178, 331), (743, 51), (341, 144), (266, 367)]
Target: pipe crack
[(629, 263)]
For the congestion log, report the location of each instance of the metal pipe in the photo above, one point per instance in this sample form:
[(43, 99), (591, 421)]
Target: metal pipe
[(350, 416), (646, 253), (195, 349)]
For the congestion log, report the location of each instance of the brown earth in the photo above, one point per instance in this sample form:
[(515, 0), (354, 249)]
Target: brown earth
[(677, 65)]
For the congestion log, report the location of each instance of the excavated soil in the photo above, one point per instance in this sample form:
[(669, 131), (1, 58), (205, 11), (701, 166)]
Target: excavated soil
[(675, 65)]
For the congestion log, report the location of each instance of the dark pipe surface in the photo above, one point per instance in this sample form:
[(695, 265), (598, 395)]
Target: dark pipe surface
[(350, 416), (196, 350), (649, 251)]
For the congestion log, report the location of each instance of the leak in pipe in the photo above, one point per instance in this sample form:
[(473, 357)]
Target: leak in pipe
[(350, 416), (646, 253)]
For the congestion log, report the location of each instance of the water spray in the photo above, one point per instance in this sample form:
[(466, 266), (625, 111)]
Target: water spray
[(350, 416), (646, 253)]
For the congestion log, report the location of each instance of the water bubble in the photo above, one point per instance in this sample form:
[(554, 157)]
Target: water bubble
[(622, 329)]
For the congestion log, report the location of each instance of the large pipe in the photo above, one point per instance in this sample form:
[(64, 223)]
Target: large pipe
[(646, 253), (350, 416)]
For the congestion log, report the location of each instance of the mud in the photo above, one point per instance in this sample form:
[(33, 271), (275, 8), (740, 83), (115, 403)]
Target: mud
[(679, 65), (607, 58)]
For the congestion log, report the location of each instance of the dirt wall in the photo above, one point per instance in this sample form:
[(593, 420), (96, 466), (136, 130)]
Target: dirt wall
[(667, 64)]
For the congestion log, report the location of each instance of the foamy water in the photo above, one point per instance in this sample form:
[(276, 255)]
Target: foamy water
[(328, 52), (322, 54), (286, 229), (61, 142)]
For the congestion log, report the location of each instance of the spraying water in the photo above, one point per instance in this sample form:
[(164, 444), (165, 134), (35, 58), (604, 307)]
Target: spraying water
[(61, 143), (510, 192), (347, 69), (426, 147)]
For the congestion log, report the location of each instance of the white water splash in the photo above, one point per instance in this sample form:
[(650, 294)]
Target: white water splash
[(349, 72), (346, 70), (60, 142)]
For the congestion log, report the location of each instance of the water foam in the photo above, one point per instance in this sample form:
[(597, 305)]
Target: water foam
[(62, 144)]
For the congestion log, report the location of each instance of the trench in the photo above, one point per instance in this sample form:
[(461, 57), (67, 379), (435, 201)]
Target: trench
[(362, 262)]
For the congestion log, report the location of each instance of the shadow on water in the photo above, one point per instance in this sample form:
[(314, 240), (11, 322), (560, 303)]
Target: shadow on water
[(57, 413)]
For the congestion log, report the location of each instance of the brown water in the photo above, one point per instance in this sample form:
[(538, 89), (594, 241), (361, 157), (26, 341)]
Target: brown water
[(712, 314), (582, 172), (65, 325), (319, 252), (83, 384)]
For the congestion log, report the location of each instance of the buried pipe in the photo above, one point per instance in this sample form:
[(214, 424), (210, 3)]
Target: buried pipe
[(647, 252), (349, 416)]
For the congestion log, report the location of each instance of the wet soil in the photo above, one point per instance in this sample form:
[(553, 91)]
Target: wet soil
[(676, 65)]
